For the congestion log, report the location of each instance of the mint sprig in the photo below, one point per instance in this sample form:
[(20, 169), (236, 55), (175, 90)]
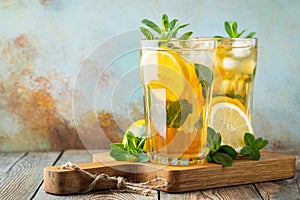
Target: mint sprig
[(220, 154), (168, 30), (253, 146), (231, 29), (132, 150)]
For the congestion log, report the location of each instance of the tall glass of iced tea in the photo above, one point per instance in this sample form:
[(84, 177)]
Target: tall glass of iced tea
[(177, 77), (234, 71)]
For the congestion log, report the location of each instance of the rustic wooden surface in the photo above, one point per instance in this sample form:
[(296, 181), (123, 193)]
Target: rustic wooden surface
[(21, 177)]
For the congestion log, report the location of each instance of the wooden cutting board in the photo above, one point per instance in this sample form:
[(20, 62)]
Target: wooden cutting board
[(271, 166)]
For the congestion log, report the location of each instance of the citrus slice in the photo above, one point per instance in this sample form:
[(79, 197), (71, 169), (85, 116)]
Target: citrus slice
[(231, 122), (225, 99), (138, 129), (165, 69)]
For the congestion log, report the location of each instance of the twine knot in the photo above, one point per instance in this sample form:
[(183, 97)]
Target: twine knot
[(142, 188)]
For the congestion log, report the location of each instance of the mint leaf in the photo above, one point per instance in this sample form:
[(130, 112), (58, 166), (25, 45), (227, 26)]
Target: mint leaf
[(165, 22), (117, 146), (246, 150), (228, 29), (177, 112), (213, 140), (229, 151), (255, 155), (120, 154), (172, 24), (142, 157), (186, 35), (148, 35), (208, 157), (151, 25), (223, 159), (204, 74), (249, 139), (199, 123), (250, 35), (253, 146), (174, 31)]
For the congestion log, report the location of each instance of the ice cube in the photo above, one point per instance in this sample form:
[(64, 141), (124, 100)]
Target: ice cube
[(230, 63), (241, 48), (249, 66)]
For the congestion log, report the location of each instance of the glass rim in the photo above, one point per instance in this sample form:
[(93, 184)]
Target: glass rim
[(177, 39)]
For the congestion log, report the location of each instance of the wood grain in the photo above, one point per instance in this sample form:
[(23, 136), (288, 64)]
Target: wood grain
[(230, 193), (182, 179), (81, 156), (8, 160), (25, 176)]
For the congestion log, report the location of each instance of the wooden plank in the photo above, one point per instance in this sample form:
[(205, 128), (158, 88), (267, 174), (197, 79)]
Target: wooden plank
[(8, 160), (284, 189), (236, 192), (23, 179), (81, 156), (182, 178)]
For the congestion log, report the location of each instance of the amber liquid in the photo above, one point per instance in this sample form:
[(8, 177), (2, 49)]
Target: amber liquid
[(234, 74), (175, 107)]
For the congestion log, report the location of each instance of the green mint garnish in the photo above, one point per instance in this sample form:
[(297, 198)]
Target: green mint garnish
[(231, 29), (220, 154), (168, 30), (253, 146), (131, 151), (177, 112)]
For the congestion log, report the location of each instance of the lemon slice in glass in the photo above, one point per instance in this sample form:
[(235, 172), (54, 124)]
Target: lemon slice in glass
[(225, 99), (231, 122), (165, 69)]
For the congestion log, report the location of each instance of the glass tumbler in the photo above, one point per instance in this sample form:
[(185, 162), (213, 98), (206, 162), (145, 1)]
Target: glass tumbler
[(177, 77)]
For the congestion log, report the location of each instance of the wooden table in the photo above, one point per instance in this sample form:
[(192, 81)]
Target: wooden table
[(21, 177)]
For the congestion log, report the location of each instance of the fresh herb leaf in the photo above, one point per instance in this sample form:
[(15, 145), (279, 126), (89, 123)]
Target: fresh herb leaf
[(148, 35), (223, 159), (165, 22), (120, 153), (175, 30), (213, 139), (250, 35), (151, 25), (172, 24), (142, 157), (199, 123), (204, 74), (220, 154), (229, 151), (231, 28), (253, 146), (249, 139), (131, 151), (177, 112), (185, 36), (168, 30)]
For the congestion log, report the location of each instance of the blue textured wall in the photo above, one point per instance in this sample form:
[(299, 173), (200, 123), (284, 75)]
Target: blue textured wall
[(44, 43)]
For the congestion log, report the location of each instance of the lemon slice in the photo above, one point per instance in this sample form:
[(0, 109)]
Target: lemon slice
[(231, 122), (225, 99), (165, 69)]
